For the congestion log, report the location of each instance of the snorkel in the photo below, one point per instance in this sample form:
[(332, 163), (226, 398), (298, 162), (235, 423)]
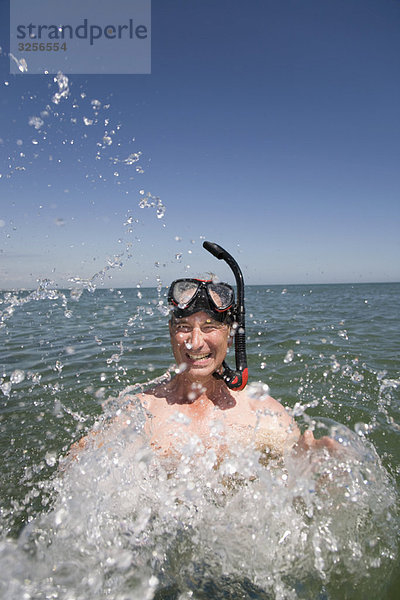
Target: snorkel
[(235, 380)]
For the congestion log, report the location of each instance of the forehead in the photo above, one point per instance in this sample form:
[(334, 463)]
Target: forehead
[(198, 318)]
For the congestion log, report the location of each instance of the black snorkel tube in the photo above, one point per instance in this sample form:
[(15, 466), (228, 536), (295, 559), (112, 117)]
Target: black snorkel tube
[(235, 380)]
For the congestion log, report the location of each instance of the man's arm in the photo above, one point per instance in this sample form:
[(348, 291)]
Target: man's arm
[(288, 429), (307, 442)]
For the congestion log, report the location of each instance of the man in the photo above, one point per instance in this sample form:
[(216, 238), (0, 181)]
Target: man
[(197, 405), (201, 406)]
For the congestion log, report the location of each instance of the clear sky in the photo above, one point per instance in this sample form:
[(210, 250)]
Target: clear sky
[(270, 126)]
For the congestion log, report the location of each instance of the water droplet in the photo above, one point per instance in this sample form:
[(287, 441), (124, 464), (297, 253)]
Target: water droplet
[(17, 376), (164, 310), (63, 88), (50, 458), (100, 393), (22, 65), (123, 560), (335, 366), (153, 581), (289, 356), (36, 122), (6, 388), (258, 390), (60, 516), (362, 429), (132, 158), (357, 377)]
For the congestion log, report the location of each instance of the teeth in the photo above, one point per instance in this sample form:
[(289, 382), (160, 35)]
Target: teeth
[(197, 356)]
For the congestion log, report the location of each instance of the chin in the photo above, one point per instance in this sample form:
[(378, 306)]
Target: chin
[(203, 372)]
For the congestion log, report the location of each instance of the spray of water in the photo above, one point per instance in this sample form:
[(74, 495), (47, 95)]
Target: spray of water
[(126, 523)]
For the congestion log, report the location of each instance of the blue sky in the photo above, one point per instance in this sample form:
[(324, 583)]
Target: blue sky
[(271, 127)]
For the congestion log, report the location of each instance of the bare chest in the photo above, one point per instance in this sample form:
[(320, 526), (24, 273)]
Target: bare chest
[(172, 428)]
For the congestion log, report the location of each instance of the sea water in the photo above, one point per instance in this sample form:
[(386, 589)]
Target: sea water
[(121, 523)]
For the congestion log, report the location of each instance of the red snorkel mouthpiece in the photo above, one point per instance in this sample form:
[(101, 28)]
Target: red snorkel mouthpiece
[(234, 379)]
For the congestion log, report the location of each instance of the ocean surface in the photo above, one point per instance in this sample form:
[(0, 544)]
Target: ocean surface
[(117, 525)]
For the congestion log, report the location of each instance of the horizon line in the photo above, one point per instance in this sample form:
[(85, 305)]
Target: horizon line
[(134, 287)]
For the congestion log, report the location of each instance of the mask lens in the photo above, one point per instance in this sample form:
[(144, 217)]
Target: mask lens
[(221, 294), (184, 292)]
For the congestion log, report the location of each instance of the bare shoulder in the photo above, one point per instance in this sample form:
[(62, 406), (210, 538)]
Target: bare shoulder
[(266, 404), (270, 411), (274, 407), (272, 427), (154, 395), (143, 398)]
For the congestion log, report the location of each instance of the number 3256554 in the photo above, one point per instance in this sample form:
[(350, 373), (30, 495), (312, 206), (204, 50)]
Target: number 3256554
[(42, 47)]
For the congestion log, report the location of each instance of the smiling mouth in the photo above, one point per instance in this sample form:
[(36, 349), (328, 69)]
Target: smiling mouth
[(198, 356)]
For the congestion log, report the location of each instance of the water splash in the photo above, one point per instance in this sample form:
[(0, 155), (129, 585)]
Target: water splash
[(149, 201), (258, 390), (36, 122), (21, 63), (125, 523), (46, 290), (63, 88)]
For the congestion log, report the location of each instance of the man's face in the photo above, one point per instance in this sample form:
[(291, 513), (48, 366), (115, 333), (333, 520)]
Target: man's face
[(199, 342)]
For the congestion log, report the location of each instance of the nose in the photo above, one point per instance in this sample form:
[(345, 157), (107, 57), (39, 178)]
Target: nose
[(196, 338)]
